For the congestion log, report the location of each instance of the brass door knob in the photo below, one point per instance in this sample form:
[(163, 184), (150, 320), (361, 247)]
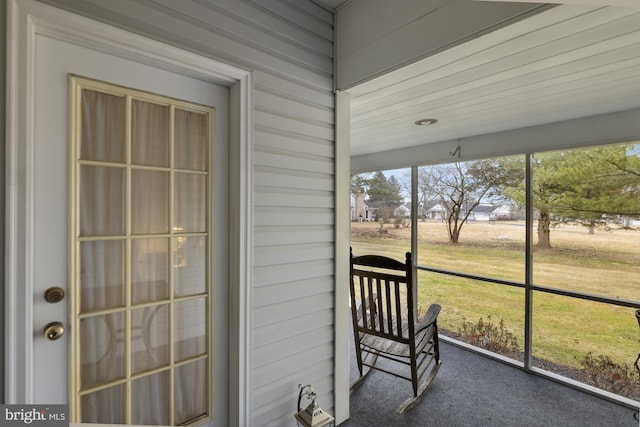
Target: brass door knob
[(53, 331)]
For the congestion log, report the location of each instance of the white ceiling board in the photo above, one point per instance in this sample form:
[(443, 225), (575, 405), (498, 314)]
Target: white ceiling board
[(600, 129), (617, 3), (565, 63), (332, 5), (378, 36)]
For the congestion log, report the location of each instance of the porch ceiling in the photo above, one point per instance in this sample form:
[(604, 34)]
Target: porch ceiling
[(568, 62)]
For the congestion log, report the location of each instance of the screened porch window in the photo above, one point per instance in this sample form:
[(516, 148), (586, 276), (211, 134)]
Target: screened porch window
[(535, 258)]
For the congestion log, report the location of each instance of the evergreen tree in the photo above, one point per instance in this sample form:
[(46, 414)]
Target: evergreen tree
[(384, 191), (591, 186)]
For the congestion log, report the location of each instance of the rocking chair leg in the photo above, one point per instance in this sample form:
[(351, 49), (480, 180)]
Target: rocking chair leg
[(414, 400), (357, 382)]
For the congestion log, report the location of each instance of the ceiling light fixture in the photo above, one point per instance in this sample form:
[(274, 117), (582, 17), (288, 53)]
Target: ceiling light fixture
[(426, 122)]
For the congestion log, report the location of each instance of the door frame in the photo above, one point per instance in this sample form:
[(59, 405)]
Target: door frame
[(25, 20)]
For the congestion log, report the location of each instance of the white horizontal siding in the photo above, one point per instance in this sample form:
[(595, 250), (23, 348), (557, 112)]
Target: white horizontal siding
[(293, 86), (265, 375), (223, 17), (275, 138), (289, 46), (300, 180), (294, 216), (314, 19), (291, 346), (168, 23), (294, 124), (280, 159), (292, 235), (270, 100), (289, 291), (273, 392), (272, 274), (269, 196), (278, 408), (279, 334), (288, 254)]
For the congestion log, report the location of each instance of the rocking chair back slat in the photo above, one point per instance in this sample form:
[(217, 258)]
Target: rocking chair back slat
[(388, 307), (398, 308)]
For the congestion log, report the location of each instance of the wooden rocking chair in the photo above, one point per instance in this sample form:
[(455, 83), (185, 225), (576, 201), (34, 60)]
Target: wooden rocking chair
[(382, 309)]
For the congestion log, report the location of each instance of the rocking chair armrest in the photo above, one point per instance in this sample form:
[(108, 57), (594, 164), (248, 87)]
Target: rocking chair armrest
[(429, 318)]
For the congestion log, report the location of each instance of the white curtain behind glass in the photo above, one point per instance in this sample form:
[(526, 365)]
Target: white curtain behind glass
[(152, 255)]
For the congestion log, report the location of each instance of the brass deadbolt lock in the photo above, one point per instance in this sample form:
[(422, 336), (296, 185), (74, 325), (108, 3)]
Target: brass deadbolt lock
[(54, 295), (53, 331)]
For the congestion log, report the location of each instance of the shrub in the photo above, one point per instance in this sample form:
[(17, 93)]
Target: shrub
[(487, 335), (400, 221), (602, 372)]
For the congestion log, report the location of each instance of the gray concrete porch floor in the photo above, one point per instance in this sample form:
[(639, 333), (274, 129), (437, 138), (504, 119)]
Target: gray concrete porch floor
[(473, 390)]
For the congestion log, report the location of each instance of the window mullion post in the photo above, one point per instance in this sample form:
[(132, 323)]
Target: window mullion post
[(414, 235), (127, 241), (528, 296), (172, 248)]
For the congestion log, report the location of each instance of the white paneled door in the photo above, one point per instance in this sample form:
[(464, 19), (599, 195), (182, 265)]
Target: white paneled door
[(130, 180)]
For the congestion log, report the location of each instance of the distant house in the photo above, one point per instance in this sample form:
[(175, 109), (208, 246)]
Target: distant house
[(631, 222), (434, 210), (361, 210), (503, 213), (403, 210), (486, 212)]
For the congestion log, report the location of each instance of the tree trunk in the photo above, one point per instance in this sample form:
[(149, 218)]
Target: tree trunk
[(455, 236), (454, 230), (544, 229)]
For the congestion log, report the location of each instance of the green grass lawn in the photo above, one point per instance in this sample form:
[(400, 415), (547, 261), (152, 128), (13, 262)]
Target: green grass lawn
[(564, 329)]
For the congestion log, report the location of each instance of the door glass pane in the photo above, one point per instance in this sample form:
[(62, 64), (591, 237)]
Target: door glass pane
[(190, 391), (102, 356), (191, 197), (149, 134), (105, 406), (149, 202), (192, 136), (149, 270), (190, 333), (141, 196), (190, 276), (101, 275), (103, 127), (154, 410), (150, 332), (102, 192)]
